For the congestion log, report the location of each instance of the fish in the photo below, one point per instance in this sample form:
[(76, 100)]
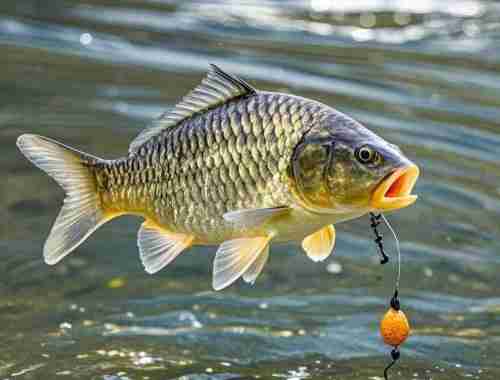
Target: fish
[(233, 166)]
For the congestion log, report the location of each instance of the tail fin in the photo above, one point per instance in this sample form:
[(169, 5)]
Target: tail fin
[(81, 213)]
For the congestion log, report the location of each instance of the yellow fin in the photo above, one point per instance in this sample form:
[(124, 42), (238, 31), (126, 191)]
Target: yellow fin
[(319, 245), (159, 247), (235, 257)]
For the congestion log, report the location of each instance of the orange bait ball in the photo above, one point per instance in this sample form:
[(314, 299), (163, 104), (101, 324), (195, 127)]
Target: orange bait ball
[(394, 327)]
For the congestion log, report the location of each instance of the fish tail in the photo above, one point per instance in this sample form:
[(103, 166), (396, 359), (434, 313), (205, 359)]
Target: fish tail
[(82, 212)]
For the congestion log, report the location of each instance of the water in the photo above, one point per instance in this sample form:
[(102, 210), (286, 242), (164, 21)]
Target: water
[(93, 73)]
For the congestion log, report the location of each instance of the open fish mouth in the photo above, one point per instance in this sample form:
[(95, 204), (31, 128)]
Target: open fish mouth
[(394, 191)]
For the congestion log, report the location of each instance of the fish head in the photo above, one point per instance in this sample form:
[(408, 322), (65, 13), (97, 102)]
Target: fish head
[(342, 167)]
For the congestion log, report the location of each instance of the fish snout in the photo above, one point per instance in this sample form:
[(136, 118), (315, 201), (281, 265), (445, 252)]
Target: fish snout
[(394, 191)]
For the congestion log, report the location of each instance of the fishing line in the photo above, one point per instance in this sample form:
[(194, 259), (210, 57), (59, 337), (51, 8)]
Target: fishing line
[(394, 326), (398, 251)]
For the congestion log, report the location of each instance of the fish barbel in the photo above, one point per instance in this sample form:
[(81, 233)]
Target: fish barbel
[(229, 165)]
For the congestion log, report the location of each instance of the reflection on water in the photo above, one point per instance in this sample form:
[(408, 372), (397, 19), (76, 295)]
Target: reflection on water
[(423, 74)]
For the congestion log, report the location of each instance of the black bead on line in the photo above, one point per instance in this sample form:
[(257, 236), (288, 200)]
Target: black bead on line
[(395, 355), (395, 301), (379, 239)]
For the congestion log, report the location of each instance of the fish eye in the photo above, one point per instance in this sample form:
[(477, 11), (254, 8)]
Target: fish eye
[(367, 155)]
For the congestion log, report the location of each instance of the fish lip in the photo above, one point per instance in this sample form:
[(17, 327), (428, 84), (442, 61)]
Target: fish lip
[(394, 191)]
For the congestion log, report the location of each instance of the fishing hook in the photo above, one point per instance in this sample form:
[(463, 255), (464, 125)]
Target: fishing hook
[(379, 239)]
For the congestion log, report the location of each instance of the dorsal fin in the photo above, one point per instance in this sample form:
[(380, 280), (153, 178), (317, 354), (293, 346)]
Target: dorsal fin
[(216, 88)]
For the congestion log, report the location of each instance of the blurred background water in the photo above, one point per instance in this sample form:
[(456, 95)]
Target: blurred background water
[(92, 73)]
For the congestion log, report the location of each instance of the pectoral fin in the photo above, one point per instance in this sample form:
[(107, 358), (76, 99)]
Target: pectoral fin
[(235, 257), (159, 247), (254, 217), (319, 245)]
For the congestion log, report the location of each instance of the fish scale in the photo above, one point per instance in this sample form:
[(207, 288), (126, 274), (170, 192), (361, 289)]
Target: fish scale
[(234, 156)]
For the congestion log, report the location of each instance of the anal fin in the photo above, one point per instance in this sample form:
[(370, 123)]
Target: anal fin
[(159, 247), (235, 257), (319, 245)]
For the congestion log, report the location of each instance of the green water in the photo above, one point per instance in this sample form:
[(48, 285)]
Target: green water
[(422, 74)]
